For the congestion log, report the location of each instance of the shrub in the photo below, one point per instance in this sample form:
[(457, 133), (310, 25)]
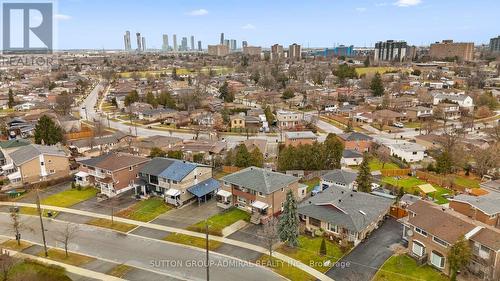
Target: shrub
[(322, 248)]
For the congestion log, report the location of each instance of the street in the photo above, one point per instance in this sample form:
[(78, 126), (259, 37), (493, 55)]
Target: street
[(174, 260)]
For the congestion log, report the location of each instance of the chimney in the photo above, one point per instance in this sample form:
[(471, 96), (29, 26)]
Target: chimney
[(340, 200)]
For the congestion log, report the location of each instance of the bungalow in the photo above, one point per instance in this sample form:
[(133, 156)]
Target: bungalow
[(300, 138), (408, 151), (258, 191), (155, 114), (484, 208), (356, 141), (351, 157), (387, 117), (339, 178), (34, 163), (177, 181), (344, 214), (418, 113), (237, 121), (112, 173), (464, 101)]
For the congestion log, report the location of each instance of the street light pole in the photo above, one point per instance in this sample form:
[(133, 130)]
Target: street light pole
[(207, 259)]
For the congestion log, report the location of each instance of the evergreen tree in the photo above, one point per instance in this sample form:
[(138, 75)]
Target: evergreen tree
[(257, 158), (288, 224), (377, 86), (269, 115), (225, 93), (47, 131), (11, 99), (444, 163), (288, 93), (242, 157), (166, 100), (367, 61), (458, 257), (151, 99), (348, 128), (322, 248), (176, 154), (131, 97), (364, 179), (157, 152), (333, 150)]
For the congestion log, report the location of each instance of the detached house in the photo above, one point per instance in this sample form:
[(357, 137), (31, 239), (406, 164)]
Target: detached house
[(258, 191), (431, 231), (344, 214), (34, 163), (484, 208), (339, 178), (177, 181), (356, 141), (298, 138), (112, 173)]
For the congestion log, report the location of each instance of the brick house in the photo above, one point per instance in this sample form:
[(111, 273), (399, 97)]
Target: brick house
[(484, 208), (356, 141), (112, 173), (258, 191), (431, 230), (298, 138)]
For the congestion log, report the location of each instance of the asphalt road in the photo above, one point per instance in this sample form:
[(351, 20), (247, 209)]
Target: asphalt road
[(174, 260), (364, 261)]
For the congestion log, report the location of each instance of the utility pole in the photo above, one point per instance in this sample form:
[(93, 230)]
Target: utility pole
[(206, 238), (41, 223)]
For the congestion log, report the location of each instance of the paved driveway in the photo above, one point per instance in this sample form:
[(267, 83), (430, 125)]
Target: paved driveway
[(188, 214), (368, 256), (119, 202)]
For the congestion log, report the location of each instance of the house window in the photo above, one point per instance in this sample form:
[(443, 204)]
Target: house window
[(314, 222), (50, 161), (334, 228), (421, 231), (418, 248), (282, 189), (130, 168), (260, 194), (52, 171), (439, 241), (42, 163), (437, 259)]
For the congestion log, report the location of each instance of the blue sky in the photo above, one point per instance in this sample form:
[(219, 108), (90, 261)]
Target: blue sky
[(314, 23)]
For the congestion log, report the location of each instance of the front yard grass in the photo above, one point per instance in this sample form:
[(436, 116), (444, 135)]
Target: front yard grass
[(218, 222), (115, 225), (12, 245), (402, 268), (308, 253), (41, 271), (60, 256), (69, 197), (284, 269), (145, 210), (119, 270), (311, 184), (192, 241), (410, 185)]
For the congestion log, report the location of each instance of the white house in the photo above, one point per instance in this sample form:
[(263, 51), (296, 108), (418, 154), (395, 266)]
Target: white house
[(339, 178), (461, 99), (408, 151)]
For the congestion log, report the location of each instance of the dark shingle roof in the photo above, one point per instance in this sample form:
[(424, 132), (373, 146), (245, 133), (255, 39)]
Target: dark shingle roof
[(22, 155), (14, 143), (349, 209), (349, 153), (169, 168), (355, 136), (114, 161), (340, 176), (260, 180)]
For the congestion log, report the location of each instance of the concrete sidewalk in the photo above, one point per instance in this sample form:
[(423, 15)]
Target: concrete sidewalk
[(249, 246)]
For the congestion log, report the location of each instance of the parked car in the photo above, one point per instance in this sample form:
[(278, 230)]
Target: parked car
[(398, 125)]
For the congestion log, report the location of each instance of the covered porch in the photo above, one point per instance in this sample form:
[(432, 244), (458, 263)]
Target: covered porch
[(82, 178), (260, 212), (224, 199), (173, 197)]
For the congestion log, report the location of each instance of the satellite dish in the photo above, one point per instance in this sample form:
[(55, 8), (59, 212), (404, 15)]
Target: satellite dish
[(409, 233)]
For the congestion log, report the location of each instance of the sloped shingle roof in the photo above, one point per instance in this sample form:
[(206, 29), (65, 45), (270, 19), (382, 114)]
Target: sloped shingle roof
[(260, 180)]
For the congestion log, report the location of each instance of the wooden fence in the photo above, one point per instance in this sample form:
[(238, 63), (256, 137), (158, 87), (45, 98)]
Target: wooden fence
[(444, 181), (86, 132), (395, 172), (230, 169)]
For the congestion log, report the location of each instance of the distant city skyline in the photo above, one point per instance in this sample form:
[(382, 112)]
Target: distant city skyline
[(314, 23)]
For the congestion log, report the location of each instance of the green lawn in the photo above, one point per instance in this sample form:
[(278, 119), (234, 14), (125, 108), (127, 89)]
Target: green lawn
[(218, 222), (469, 182), (119, 270), (115, 225), (69, 197), (414, 125), (192, 241), (376, 165), (60, 256), (284, 269), (40, 271), (311, 184), (308, 253), (145, 210), (410, 185), (402, 268), (12, 244), (374, 69)]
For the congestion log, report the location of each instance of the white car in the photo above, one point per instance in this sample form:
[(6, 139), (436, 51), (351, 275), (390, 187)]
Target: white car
[(398, 125)]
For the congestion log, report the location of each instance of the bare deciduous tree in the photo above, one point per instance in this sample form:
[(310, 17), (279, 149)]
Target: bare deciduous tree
[(270, 233), (6, 264), (67, 234)]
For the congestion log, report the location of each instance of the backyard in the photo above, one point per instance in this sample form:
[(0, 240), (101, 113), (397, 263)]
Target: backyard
[(308, 252), (311, 184), (410, 185), (145, 210), (402, 267), (218, 222)]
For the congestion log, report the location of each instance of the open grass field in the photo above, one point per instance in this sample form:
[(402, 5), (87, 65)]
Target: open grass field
[(308, 253), (374, 69), (218, 222), (410, 185), (145, 210), (219, 70), (284, 269), (402, 268), (192, 241)]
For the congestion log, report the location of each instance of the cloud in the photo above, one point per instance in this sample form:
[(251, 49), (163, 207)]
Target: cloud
[(361, 9), (248, 26), (199, 12), (382, 4), (407, 3), (62, 17)]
